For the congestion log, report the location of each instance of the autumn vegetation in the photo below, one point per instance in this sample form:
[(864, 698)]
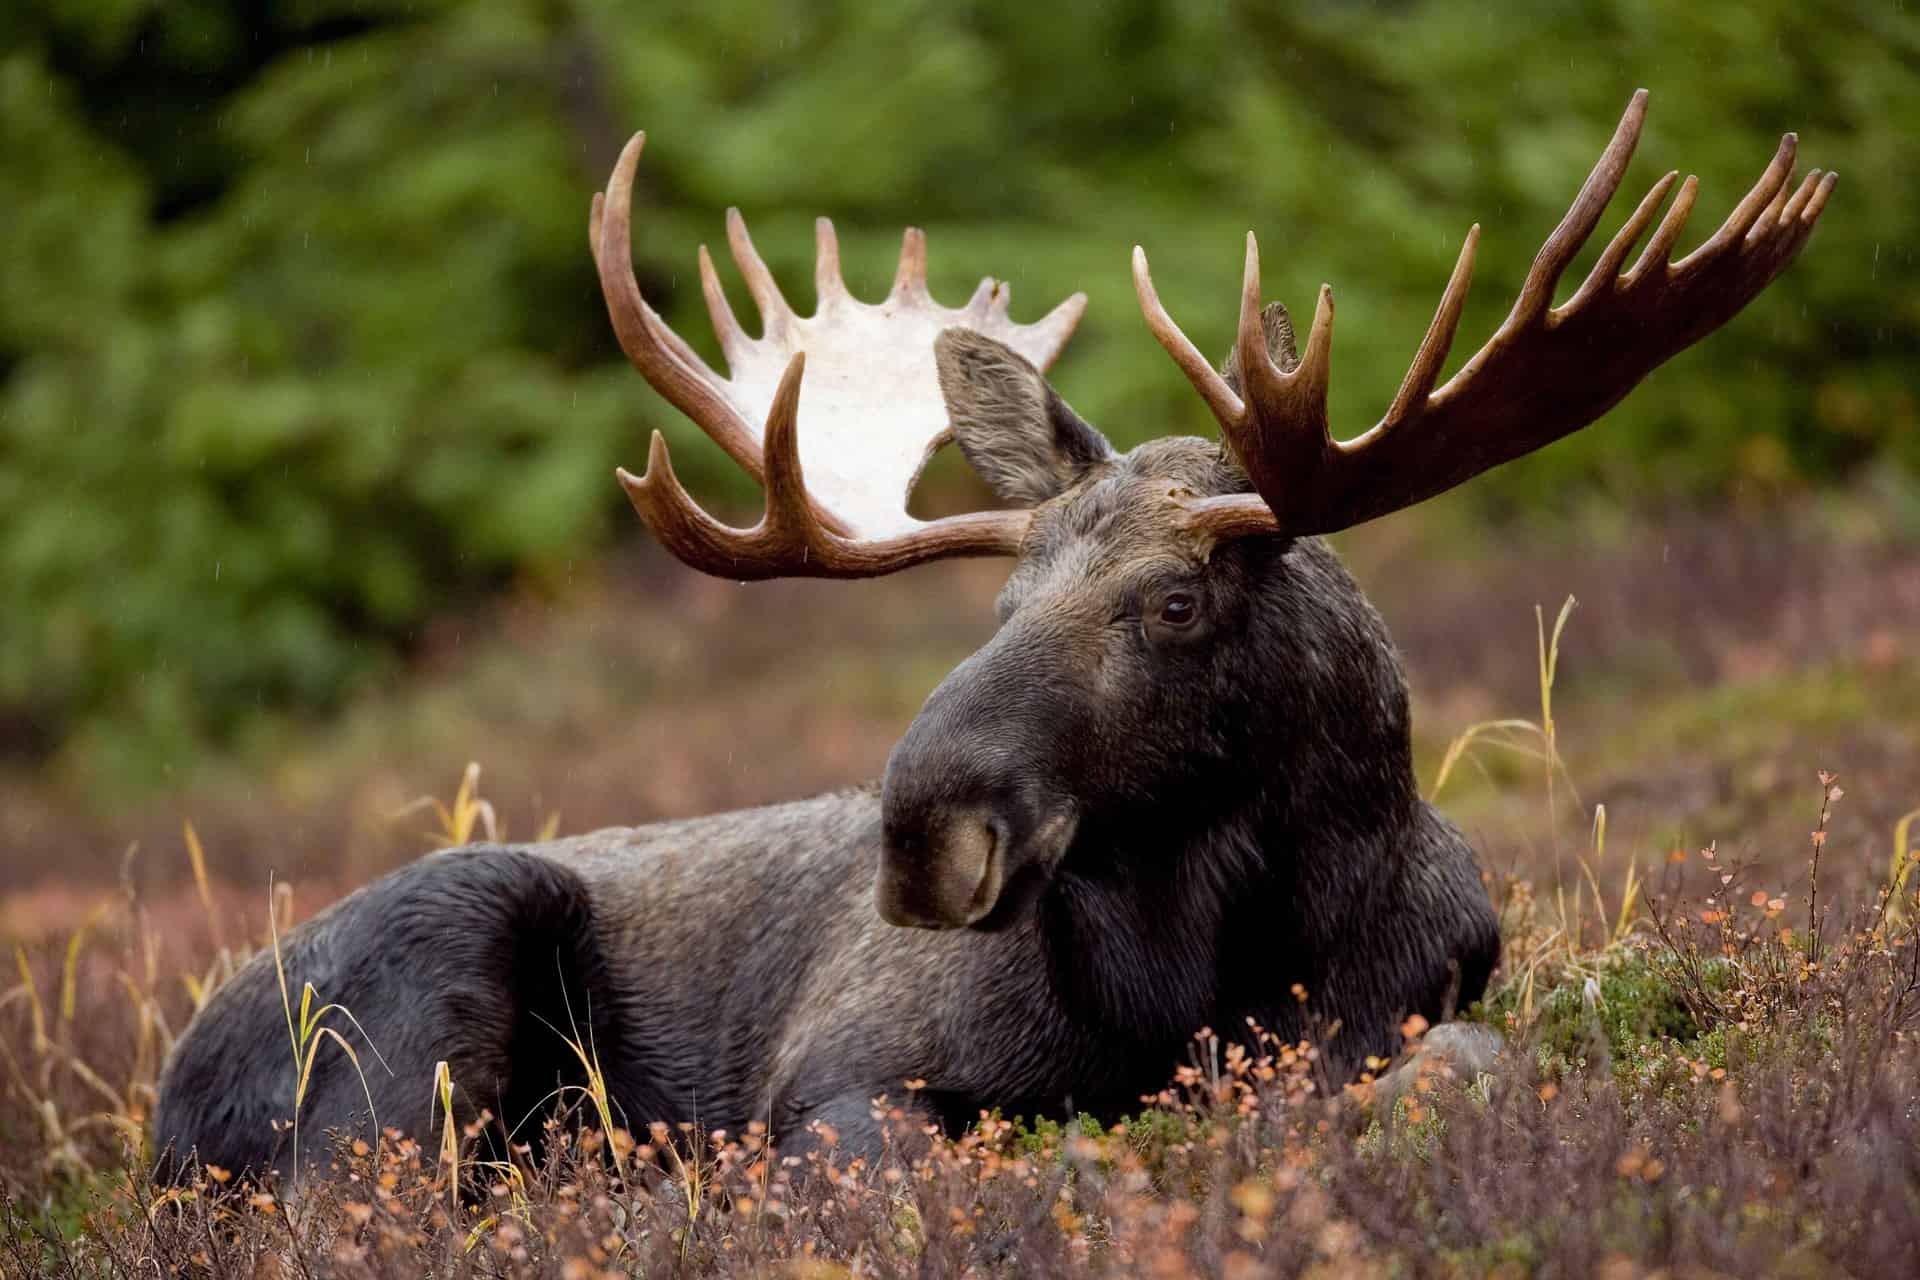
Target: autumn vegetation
[(1711, 1063)]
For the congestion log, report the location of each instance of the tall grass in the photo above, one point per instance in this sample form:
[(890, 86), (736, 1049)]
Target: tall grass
[(309, 1032), (1564, 939), (1905, 854)]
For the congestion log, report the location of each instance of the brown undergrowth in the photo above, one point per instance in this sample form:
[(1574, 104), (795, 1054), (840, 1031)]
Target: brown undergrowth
[(1705, 1070), (1732, 1085)]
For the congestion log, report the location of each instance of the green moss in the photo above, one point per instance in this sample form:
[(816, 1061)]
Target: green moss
[(1519, 1252), (1622, 1014), (1044, 1137)]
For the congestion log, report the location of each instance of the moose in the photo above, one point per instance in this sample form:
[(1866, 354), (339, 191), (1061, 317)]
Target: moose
[(1173, 790)]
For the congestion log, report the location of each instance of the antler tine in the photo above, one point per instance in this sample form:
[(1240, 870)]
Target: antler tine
[(1606, 269), (1417, 385), (1051, 331), (979, 305), (666, 508), (1281, 430), (656, 329), (1536, 295), (789, 522), (775, 314), (1655, 257), (1801, 198), (650, 346), (1000, 302), (910, 278), (789, 528), (1745, 214), (1260, 378), (1811, 213), (829, 286), (726, 326), (1770, 216), (1314, 372), (1200, 372)]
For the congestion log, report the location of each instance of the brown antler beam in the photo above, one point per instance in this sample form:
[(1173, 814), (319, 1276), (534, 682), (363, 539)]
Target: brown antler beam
[(1546, 372)]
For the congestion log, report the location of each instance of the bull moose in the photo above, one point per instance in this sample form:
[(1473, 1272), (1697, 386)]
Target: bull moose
[(1173, 788)]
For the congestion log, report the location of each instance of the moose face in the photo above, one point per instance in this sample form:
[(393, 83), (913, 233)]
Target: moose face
[(1096, 694)]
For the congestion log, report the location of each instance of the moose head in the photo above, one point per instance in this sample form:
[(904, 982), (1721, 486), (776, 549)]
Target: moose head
[(1172, 638)]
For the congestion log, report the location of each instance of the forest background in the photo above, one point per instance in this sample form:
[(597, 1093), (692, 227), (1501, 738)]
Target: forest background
[(309, 405)]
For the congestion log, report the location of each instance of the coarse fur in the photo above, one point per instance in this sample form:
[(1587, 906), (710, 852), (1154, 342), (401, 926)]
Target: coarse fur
[(1120, 821)]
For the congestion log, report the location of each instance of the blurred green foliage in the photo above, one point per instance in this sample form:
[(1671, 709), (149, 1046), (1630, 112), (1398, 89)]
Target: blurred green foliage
[(300, 342)]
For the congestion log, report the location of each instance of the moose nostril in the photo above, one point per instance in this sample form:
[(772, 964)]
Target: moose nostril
[(980, 878)]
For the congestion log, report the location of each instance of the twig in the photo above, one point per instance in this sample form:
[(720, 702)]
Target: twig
[(1829, 793)]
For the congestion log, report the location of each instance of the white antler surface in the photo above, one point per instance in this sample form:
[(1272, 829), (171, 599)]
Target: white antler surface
[(871, 413), (868, 417)]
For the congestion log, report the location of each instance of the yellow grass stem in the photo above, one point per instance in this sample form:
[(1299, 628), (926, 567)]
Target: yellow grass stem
[(307, 1036), (1549, 654), (449, 1133), (70, 968), (1472, 734), (32, 990), (197, 859), (1901, 868)]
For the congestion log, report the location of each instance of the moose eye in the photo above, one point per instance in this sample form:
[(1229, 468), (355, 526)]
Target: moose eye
[(1179, 610)]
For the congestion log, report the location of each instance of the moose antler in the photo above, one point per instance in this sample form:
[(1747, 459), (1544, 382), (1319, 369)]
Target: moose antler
[(838, 474), (1546, 372)]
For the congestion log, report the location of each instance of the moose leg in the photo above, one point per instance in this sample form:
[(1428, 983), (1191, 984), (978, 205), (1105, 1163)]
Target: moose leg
[(482, 958)]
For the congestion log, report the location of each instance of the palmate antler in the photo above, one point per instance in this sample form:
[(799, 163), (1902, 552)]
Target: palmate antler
[(1546, 372), (837, 470)]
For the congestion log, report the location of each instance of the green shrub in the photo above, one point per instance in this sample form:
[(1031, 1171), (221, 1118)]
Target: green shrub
[(300, 343)]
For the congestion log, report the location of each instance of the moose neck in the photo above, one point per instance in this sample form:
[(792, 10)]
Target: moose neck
[(1299, 823), (1182, 917)]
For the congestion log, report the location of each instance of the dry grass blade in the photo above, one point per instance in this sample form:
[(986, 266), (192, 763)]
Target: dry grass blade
[(30, 990), (1495, 734), (458, 822), (1905, 854), (1512, 734), (306, 1037), (470, 816), (197, 859), (619, 1142), (70, 965), (449, 1132)]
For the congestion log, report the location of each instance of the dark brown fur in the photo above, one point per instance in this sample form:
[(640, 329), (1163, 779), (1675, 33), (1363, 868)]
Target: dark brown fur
[(1147, 828)]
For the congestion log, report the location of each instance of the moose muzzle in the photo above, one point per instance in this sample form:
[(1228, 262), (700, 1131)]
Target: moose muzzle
[(969, 864), (948, 874), (972, 825)]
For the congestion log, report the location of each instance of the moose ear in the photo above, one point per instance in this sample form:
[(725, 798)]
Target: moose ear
[(1014, 429)]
